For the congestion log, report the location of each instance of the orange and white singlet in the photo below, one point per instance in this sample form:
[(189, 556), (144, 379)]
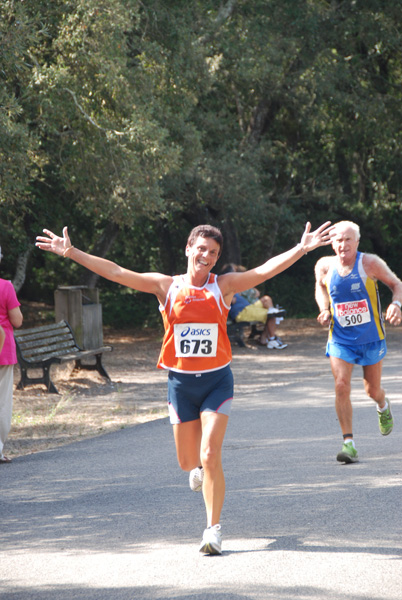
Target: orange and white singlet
[(194, 318)]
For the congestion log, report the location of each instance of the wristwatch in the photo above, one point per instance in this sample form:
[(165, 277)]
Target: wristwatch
[(397, 303)]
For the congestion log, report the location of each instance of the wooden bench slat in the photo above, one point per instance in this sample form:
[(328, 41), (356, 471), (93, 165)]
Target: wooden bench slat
[(30, 347), (56, 354), (62, 325), (44, 354), (85, 354), (37, 337)]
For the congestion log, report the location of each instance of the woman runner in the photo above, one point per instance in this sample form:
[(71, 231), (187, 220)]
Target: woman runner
[(196, 350)]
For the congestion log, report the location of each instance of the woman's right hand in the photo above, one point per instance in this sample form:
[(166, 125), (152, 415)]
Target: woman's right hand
[(54, 243)]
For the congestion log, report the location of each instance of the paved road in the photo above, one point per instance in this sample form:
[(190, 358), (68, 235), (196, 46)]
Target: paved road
[(113, 517)]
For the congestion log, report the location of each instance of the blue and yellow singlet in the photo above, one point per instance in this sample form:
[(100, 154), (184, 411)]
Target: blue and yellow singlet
[(356, 316)]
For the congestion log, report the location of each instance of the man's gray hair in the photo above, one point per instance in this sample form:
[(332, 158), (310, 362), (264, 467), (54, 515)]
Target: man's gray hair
[(347, 225)]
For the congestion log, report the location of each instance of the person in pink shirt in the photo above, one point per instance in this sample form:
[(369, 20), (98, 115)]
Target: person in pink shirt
[(10, 317)]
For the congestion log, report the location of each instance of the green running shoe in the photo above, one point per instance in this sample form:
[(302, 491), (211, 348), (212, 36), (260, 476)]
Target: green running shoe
[(348, 454), (386, 420)]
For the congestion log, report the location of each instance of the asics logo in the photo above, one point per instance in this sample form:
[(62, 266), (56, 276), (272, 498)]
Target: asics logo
[(199, 331)]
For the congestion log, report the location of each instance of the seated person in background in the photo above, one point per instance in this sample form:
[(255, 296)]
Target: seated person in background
[(249, 307)]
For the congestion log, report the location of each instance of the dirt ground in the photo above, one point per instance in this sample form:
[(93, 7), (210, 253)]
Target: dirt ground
[(87, 405)]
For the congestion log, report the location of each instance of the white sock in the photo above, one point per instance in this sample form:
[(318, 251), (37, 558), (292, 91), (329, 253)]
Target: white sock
[(381, 410), (350, 441)]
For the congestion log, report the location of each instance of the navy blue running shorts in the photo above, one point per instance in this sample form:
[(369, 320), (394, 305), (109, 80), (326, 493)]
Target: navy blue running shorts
[(191, 394)]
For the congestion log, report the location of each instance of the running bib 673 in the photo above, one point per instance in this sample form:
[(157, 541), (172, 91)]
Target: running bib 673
[(196, 339), (353, 313)]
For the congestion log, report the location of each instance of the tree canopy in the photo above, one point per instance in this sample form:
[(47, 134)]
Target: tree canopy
[(132, 122)]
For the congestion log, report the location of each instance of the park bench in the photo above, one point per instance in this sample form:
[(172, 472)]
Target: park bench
[(237, 331), (41, 347)]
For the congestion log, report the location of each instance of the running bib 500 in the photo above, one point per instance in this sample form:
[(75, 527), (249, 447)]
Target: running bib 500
[(196, 339), (353, 313)]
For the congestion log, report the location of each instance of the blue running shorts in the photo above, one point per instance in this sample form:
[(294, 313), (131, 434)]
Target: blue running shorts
[(365, 354), (191, 394)]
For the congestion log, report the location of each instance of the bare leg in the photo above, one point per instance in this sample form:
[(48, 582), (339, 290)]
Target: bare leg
[(269, 330), (342, 372), (372, 383), (213, 431), (198, 443), (270, 325), (187, 437)]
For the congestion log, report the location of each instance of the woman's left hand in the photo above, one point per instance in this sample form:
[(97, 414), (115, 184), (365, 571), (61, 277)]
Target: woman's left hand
[(320, 237)]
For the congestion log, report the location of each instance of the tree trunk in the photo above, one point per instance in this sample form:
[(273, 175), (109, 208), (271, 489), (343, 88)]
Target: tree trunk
[(101, 248), (21, 269), (263, 115), (231, 247)]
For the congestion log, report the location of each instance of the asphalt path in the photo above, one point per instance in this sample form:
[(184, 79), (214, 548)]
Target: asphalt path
[(114, 518)]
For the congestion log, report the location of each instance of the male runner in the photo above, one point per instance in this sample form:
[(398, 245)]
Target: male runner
[(348, 300)]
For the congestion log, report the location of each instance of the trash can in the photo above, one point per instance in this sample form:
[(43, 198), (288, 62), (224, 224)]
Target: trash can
[(80, 306)]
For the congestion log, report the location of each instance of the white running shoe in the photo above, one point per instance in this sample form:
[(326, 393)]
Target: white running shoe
[(196, 478), (212, 540), (276, 344)]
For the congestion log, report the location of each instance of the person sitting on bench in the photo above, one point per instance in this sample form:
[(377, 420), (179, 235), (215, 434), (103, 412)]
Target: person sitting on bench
[(250, 307)]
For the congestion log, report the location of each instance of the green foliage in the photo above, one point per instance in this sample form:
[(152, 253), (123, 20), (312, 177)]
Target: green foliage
[(126, 308), (154, 116)]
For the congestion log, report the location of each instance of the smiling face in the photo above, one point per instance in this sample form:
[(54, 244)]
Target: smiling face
[(345, 243), (202, 256)]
